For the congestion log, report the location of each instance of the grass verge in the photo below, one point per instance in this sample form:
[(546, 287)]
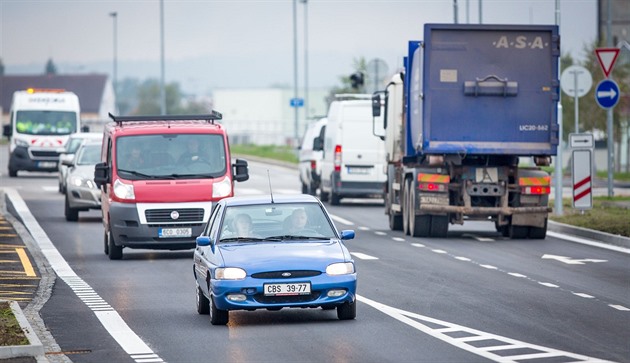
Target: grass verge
[(609, 215), (282, 153), (10, 331)]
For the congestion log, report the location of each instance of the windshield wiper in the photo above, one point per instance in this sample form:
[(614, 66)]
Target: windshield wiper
[(238, 239), (137, 173), (294, 237), (194, 176)]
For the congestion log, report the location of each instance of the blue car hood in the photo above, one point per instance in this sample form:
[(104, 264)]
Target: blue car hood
[(272, 256)]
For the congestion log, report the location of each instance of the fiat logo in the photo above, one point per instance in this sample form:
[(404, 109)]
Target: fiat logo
[(174, 214), (286, 274)]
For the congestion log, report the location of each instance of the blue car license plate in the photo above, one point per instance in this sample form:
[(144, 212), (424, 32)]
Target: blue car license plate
[(298, 288)]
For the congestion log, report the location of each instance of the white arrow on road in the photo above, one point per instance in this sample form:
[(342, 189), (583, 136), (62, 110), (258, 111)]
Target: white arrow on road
[(610, 94), (570, 261)]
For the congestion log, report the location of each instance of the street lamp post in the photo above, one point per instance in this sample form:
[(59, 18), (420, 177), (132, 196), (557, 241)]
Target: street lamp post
[(114, 16), (305, 2), (295, 72), (162, 91)]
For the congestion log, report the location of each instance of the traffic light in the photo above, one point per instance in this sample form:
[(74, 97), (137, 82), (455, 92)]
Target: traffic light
[(356, 79)]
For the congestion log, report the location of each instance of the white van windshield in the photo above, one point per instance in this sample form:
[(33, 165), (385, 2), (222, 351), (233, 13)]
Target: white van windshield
[(171, 156), (46, 122)]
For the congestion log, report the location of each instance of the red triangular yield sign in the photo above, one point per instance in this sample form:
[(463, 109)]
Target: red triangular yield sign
[(607, 58)]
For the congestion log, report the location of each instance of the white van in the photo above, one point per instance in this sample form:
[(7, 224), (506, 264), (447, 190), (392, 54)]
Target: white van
[(41, 121), (353, 155), (311, 152)]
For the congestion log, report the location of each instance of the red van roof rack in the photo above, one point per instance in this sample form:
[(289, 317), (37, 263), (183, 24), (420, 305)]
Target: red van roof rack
[(209, 117)]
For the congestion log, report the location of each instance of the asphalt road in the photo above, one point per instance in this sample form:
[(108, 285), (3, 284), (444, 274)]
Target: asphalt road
[(472, 297)]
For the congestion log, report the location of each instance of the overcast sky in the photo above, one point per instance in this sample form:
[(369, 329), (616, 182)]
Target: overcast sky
[(211, 44)]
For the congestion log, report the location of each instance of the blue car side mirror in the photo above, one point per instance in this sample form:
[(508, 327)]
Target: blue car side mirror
[(203, 241), (347, 234)]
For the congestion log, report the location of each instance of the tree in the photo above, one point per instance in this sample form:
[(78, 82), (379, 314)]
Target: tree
[(51, 69), (149, 100)]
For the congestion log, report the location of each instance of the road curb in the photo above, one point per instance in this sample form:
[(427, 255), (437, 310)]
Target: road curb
[(604, 237), (33, 349)]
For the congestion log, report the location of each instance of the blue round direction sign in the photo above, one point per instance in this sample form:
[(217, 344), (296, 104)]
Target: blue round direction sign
[(607, 93)]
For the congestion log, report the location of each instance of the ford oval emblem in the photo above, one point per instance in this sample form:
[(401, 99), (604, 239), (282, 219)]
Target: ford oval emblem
[(286, 274), (174, 214)]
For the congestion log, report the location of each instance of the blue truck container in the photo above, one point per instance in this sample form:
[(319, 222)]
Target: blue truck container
[(473, 102)]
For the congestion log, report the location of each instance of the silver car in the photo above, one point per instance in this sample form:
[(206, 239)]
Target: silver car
[(82, 193), (71, 147)]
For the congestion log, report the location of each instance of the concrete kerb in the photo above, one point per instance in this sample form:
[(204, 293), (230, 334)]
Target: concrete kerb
[(44, 290), (603, 237), (33, 349)]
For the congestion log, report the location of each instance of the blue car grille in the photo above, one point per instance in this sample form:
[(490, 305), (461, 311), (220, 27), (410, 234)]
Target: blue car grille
[(286, 299), (286, 274), (164, 215)]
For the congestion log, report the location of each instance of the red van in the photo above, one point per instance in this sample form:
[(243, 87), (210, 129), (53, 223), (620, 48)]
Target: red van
[(159, 177)]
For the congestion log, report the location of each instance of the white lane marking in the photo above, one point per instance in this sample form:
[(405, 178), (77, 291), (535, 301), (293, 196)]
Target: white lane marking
[(363, 256), (439, 251), (516, 274), (548, 284), (363, 228), (461, 258), (503, 343), (109, 318), (589, 242), (418, 245), (247, 191), (581, 294), (489, 267), (398, 239), (619, 307), (51, 189), (341, 220), (478, 238), (379, 233), (570, 261)]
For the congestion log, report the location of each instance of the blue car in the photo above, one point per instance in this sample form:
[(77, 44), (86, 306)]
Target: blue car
[(273, 252)]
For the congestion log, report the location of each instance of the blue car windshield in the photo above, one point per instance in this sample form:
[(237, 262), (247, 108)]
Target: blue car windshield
[(276, 222)]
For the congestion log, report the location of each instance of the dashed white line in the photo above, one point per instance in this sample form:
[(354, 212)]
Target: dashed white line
[(461, 258), (548, 284), (489, 267), (379, 233), (439, 251), (581, 294), (363, 256), (619, 307), (341, 220), (515, 274), (398, 239), (418, 245)]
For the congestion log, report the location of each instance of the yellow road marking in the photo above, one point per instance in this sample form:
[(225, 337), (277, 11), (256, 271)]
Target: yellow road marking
[(12, 272), (28, 268), (3, 228), (16, 285), (18, 277), (8, 246), (7, 235), (8, 261), (18, 298), (15, 292)]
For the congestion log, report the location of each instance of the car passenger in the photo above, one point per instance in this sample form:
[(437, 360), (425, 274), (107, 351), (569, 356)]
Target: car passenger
[(298, 221)]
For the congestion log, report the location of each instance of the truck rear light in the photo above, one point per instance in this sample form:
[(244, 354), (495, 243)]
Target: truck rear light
[(433, 182), (313, 165), (432, 187), (536, 190), (535, 185), (338, 158)]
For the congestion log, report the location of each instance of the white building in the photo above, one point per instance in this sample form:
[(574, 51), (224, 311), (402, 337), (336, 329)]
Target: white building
[(264, 116)]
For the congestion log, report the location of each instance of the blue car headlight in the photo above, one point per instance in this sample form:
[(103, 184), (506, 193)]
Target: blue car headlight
[(229, 273), (340, 268)]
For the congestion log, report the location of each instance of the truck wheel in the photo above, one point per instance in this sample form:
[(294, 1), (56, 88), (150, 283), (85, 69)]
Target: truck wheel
[(538, 232), (439, 226), (115, 252), (334, 198), (395, 221), (405, 207), (13, 173), (419, 225), (518, 232), (72, 215), (304, 188), (323, 196)]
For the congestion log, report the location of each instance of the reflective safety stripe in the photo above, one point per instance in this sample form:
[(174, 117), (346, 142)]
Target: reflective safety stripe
[(534, 181), (434, 178)]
